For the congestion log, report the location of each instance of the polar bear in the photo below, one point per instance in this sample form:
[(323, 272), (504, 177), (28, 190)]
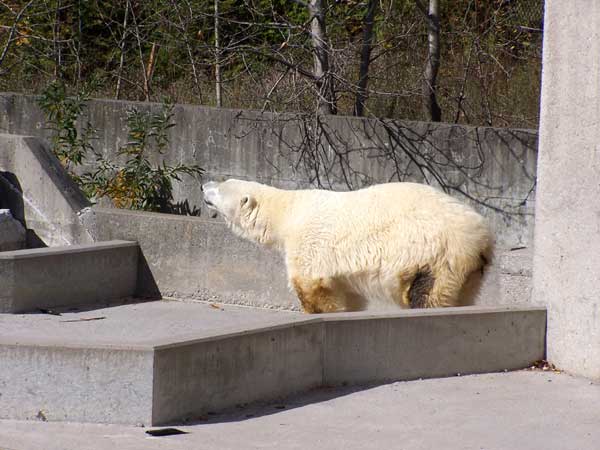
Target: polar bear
[(407, 245)]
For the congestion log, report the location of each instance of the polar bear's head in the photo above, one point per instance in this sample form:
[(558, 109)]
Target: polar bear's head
[(239, 203), (232, 199)]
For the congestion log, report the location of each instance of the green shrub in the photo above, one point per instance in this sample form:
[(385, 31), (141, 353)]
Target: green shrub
[(138, 183)]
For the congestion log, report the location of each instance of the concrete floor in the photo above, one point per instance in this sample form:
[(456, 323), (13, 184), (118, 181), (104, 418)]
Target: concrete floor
[(138, 323), (516, 410)]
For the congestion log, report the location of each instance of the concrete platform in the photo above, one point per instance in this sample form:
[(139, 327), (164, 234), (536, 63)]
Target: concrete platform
[(67, 276), (505, 411), (164, 362)]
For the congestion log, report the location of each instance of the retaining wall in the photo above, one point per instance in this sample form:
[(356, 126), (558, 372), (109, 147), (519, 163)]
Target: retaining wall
[(493, 168)]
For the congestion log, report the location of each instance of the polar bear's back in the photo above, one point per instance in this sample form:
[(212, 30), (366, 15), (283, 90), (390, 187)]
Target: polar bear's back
[(391, 225)]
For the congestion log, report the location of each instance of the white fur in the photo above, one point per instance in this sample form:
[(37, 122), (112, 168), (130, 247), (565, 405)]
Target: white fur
[(367, 244)]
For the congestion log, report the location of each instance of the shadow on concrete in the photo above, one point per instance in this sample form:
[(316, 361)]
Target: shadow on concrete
[(146, 289), (11, 197), (254, 410)]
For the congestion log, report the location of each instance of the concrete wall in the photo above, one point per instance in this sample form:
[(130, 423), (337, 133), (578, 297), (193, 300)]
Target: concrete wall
[(190, 257), (39, 193), (566, 270), (495, 167)]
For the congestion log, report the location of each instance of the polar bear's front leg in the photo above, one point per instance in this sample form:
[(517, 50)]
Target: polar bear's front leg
[(318, 295)]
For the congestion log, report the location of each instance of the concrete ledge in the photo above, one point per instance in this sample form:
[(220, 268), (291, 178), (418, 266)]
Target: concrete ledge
[(67, 276), (76, 384), (430, 344), (215, 374), (193, 373)]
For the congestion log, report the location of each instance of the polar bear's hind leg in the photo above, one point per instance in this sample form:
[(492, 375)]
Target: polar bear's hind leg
[(325, 295)]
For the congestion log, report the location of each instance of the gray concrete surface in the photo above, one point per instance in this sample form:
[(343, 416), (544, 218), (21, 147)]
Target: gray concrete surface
[(211, 357), (435, 343), (508, 279), (195, 258), (67, 276), (140, 325), (496, 166), (567, 238), (194, 378), (68, 367), (200, 259), (39, 193), (12, 233), (506, 411)]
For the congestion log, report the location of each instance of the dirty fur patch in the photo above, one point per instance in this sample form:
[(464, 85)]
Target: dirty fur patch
[(316, 296), (418, 294)]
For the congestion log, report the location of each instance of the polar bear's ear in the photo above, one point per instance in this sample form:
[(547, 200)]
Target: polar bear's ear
[(247, 201)]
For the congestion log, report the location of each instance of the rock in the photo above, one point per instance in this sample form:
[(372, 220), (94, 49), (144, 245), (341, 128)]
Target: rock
[(12, 233)]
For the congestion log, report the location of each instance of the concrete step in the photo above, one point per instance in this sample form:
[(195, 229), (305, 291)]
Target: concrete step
[(47, 278), (164, 362)]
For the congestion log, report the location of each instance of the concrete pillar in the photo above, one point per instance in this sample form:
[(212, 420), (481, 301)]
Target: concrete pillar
[(566, 266)]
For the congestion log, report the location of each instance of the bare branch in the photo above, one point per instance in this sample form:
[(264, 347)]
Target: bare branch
[(11, 33)]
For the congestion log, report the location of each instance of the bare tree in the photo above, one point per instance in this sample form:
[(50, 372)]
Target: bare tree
[(184, 32), (432, 16), (314, 56), (217, 57), (321, 72), (13, 28), (122, 51), (365, 58)]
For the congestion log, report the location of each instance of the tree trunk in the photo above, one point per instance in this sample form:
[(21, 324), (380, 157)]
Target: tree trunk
[(365, 59), (217, 57), (151, 65), (432, 108), (324, 80), (122, 50), (57, 42)]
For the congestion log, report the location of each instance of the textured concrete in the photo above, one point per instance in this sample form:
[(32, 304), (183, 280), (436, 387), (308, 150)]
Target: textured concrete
[(439, 343), (67, 276), (199, 377), (68, 367), (508, 411), (12, 233), (104, 385), (40, 193), (141, 325), (495, 166), (508, 280), (210, 357), (198, 259), (567, 234)]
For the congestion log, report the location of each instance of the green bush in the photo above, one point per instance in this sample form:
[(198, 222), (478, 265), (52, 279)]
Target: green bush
[(138, 183)]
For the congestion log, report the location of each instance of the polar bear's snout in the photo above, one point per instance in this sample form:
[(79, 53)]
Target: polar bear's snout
[(211, 194)]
